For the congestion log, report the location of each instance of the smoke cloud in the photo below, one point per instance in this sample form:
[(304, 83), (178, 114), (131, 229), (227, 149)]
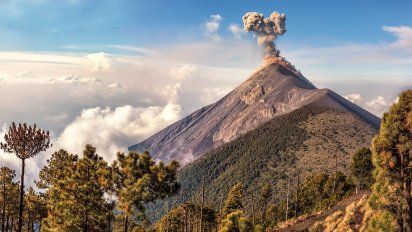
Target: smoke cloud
[(266, 29)]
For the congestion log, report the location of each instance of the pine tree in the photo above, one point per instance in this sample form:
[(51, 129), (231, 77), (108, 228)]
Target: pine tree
[(35, 210), (139, 180), (392, 151), (264, 197), (361, 168), (6, 184), (180, 218), (233, 201), (25, 142), (75, 193), (236, 221)]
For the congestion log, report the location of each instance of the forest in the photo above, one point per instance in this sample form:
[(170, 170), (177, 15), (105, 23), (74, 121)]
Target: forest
[(85, 193)]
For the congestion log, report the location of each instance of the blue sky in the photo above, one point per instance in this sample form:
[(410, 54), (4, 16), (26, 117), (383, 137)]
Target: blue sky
[(113, 72), (51, 24)]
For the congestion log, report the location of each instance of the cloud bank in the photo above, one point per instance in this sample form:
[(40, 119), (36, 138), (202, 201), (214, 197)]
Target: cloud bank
[(114, 130)]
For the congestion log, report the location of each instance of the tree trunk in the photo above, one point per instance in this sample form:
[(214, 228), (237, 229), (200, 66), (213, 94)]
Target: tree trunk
[(399, 218), (297, 196), (406, 189), (86, 222), (253, 210), (287, 200), (202, 204), (126, 223), (3, 212), (20, 225), (7, 223), (185, 219)]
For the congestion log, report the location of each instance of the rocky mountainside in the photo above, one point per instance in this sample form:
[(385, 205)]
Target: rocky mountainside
[(275, 89)]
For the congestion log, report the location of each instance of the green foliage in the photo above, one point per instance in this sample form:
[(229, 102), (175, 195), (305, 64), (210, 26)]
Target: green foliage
[(268, 155), (320, 191), (35, 209), (9, 191), (391, 194), (259, 228), (75, 194), (188, 216), (139, 180), (233, 201), (362, 167), (236, 221)]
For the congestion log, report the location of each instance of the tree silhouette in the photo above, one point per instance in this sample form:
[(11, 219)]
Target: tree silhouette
[(25, 142)]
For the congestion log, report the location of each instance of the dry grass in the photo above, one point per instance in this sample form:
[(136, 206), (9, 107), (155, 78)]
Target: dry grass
[(350, 219)]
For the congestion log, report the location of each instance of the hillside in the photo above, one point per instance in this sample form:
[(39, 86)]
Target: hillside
[(305, 139), (275, 89)]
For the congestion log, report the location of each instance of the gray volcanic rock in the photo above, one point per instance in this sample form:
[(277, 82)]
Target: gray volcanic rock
[(274, 89)]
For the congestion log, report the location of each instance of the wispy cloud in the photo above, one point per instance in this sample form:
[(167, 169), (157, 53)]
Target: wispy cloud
[(212, 27), (236, 30), (403, 35)]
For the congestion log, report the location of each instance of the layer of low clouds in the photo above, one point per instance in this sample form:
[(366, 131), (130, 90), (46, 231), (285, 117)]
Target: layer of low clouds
[(377, 105), (113, 100)]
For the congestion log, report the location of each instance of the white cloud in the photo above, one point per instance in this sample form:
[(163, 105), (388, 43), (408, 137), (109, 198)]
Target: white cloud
[(354, 97), (183, 71), (403, 35), (134, 49), (101, 61), (114, 130), (212, 27), (236, 30), (210, 95), (377, 105)]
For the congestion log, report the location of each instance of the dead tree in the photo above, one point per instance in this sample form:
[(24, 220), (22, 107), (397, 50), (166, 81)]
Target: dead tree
[(297, 194), (202, 202), (287, 200)]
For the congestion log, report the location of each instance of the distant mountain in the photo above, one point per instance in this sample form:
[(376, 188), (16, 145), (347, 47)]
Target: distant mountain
[(275, 89)]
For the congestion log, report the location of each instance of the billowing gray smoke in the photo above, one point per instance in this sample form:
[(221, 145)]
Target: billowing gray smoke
[(267, 29)]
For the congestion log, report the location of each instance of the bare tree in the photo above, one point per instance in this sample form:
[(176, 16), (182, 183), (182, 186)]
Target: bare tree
[(287, 200), (25, 142), (202, 202)]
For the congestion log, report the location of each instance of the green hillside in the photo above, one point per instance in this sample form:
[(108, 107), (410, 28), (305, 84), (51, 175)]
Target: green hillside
[(306, 139)]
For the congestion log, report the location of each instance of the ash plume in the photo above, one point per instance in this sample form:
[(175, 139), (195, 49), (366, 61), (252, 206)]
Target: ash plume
[(266, 29)]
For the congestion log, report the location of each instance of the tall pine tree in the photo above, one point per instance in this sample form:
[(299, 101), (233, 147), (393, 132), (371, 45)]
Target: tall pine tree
[(392, 158)]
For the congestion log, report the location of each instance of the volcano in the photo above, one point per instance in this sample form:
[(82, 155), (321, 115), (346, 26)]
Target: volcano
[(275, 89)]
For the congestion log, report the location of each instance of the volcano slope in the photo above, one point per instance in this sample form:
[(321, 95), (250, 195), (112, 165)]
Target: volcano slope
[(273, 90), (271, 127)]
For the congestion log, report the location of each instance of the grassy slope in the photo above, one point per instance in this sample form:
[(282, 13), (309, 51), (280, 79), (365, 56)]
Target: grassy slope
[(306, 139)]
